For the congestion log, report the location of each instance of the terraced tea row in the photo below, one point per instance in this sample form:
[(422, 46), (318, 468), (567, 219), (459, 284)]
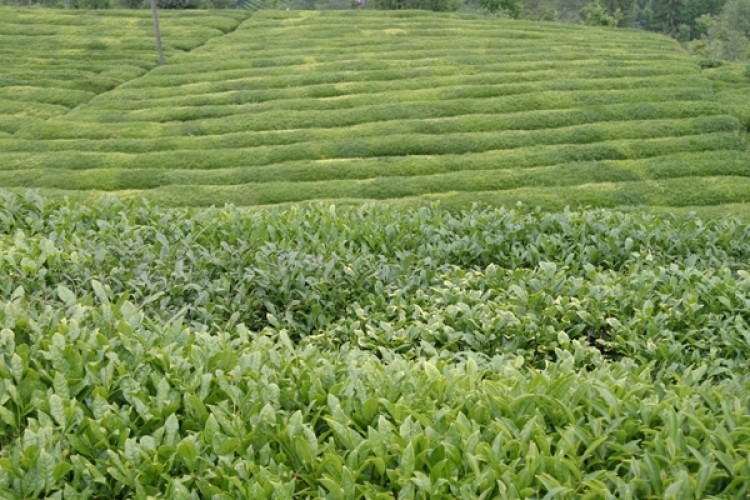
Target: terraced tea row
[(54, 60), (296, 106)]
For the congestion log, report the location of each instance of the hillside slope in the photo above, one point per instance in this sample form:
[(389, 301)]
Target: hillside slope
[(353, 106), (53, 60)]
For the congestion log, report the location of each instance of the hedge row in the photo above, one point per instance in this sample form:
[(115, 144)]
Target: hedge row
[(291, 106)]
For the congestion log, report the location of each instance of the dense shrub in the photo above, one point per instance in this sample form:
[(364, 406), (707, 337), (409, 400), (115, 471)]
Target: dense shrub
[(374, 352), (514, 8), (177, 4), (710, 63), (434, 5)]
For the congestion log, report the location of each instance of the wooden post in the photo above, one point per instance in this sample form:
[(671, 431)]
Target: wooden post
[(157, 31)]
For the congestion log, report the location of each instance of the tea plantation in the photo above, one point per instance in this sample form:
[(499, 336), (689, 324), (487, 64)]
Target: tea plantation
[(153, 347), (55, 60), (357, 106), (371, 352)]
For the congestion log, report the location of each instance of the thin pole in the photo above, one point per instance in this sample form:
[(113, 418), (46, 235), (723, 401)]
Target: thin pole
[(157, 31)]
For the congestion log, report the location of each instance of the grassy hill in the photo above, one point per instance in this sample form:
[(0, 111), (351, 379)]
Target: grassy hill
[(356, 106)]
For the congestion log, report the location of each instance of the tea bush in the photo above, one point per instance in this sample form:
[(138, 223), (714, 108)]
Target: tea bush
[(284, 107), (371, 351), (58, 59)]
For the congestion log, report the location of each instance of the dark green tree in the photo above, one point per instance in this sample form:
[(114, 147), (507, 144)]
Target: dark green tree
[(513, 8), (594, 14), (644, 15), (668, 15), (694, 9), (627, 10), (736, 15)]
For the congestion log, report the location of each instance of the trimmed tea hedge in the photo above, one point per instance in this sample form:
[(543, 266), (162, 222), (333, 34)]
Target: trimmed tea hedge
[(371, 352), (286, 107)]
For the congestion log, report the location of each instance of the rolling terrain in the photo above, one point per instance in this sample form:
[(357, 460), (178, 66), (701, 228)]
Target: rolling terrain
[(55, 60), (362, 106), (156, 348)]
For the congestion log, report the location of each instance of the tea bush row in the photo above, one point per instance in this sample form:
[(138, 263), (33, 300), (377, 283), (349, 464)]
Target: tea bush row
[(540, 125), (469, 133), (128, 101), (344, 150), (239, 100), (609, 189), (347, 112), (370, 351), (361, 106), (704, 163), (66, 57)]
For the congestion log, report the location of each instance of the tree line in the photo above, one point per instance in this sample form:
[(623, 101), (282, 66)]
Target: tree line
[(715, 29)]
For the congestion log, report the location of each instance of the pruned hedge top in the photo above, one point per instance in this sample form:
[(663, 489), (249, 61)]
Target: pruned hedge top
[(370, 352), (357, 106)]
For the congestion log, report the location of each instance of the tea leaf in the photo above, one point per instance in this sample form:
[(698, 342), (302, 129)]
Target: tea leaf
[(57, 410), (60, 384), (67, 296), (101, 294)]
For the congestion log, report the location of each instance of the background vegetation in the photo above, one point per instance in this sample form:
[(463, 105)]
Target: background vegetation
[(354, 106), (713, 29)]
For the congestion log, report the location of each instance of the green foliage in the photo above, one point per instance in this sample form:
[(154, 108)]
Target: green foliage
[(736, 14), (93, 4), (373, 352), (694, 12), (177, 4), (130, 4), (668, 15), (434, 5), (359, 106), (594, 14), (513, 8)]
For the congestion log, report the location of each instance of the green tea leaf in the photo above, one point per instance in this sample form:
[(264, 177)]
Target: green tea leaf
[(100, 292), (60, 383), (422, 481), (172, 427), (228, 446), (7, 416), (17, 367), (407, 462), (61, 470), (66, 295), (46, 467), (211, 430), (188, 453), (57, 410)]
